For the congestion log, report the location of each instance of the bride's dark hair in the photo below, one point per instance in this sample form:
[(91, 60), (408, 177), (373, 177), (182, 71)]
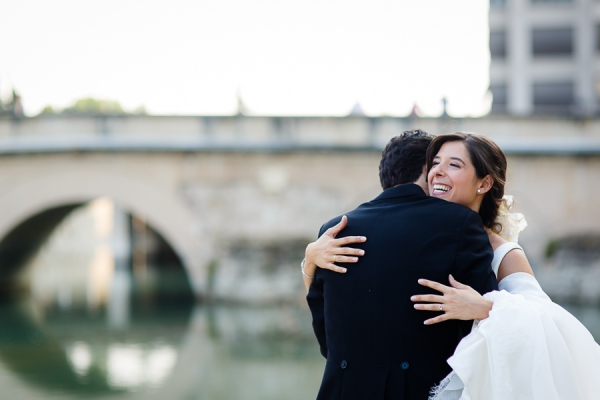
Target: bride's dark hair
[(488, 159)]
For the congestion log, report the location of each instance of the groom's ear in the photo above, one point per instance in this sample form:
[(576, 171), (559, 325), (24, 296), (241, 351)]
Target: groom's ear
[(422, 181)]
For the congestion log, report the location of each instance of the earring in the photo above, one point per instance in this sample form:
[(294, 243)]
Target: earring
[(478, 190)]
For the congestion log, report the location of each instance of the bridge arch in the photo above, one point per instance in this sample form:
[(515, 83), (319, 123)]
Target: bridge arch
[(59, 192)]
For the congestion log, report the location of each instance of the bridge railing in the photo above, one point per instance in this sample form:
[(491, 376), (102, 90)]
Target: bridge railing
[(532, 135)]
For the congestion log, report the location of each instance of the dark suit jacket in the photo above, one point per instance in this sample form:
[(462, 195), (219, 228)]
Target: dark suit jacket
[(375, 342)]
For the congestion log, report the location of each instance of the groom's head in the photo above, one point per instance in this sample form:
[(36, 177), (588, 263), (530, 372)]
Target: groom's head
[(403, 159)]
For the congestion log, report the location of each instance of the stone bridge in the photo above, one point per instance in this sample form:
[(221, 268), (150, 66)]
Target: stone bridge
[(207, 183)]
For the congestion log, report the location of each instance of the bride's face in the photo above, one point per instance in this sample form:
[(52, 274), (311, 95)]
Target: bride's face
[(452, 177)]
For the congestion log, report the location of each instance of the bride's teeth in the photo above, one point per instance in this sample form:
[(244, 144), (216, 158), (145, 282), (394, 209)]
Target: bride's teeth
[(441, 188)]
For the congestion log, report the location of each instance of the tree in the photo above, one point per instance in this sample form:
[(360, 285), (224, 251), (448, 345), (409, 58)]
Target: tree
[(94, 106), (90, 106), (48, 110)]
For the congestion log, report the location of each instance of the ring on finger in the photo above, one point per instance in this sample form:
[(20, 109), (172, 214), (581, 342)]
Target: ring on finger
[(441, 307), (335, 258)]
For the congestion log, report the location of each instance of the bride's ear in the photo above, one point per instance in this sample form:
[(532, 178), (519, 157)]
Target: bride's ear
[(486, 185)]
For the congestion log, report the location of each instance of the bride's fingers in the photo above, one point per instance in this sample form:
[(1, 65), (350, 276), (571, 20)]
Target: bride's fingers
[(348, 240), (438, 319), (334, 230), (435, 285), (428, 298), (335, 268), (428, 307), (349, 251), (456, 284), (345, 259)]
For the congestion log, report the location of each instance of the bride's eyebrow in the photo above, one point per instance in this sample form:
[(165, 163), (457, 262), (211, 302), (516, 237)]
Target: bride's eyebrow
[(457, 159)]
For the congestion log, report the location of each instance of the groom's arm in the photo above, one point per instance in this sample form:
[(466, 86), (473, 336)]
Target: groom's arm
[(473, 263), (316, 303)]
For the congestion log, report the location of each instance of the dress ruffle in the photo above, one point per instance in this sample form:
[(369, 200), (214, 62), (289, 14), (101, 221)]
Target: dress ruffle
[(528, 348)]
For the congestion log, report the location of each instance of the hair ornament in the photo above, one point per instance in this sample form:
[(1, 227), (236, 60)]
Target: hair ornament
[(512, 223)]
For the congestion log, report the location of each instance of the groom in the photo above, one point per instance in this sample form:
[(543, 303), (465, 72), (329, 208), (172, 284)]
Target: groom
[(375, 342)]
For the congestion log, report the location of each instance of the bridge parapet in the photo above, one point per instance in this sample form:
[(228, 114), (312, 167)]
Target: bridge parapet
[(532, 135)]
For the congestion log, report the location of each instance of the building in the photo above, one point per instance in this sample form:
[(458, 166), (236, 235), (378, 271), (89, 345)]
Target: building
[(545, 56)]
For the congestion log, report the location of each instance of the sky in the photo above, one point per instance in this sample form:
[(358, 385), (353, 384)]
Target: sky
[(282, 57)]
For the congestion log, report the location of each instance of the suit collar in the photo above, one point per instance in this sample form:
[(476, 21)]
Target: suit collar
[(404, 190)]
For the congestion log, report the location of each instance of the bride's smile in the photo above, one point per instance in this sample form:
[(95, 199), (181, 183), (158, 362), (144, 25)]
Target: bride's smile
[(453, 177), (439, 189)]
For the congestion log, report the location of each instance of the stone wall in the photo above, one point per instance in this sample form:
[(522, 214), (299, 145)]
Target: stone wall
[(258, 200)]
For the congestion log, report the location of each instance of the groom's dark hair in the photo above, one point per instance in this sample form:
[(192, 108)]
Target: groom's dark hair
[(403, 158)]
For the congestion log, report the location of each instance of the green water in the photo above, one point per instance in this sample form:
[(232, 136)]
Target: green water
[(176, 351)]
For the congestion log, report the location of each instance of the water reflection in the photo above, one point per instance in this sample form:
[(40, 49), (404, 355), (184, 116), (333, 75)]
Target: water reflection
[(38, 358), (130, 366), (110, 313), (198, 352), (177, 353)]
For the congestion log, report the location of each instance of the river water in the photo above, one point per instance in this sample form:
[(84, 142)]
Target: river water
[(173, 351), (176, 351)]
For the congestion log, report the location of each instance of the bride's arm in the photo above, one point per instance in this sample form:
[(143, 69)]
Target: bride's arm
[(461, 301), (327, 250), (514, 261)]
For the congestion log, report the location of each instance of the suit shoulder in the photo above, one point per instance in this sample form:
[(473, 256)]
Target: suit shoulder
[(453, 210), (350, 214), (334, 221)]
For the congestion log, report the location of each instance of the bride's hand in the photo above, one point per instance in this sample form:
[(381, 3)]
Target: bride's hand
[(457, 302), (327, 250)]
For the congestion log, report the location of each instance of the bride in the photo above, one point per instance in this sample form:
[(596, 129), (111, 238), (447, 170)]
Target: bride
[(522, 346)]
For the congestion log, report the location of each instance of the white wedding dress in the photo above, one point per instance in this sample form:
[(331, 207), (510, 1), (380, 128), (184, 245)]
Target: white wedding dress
[(528, 348)]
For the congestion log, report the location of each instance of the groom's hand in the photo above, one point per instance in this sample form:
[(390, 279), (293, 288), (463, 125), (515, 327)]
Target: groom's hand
[(456, 302), (327, 250)]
